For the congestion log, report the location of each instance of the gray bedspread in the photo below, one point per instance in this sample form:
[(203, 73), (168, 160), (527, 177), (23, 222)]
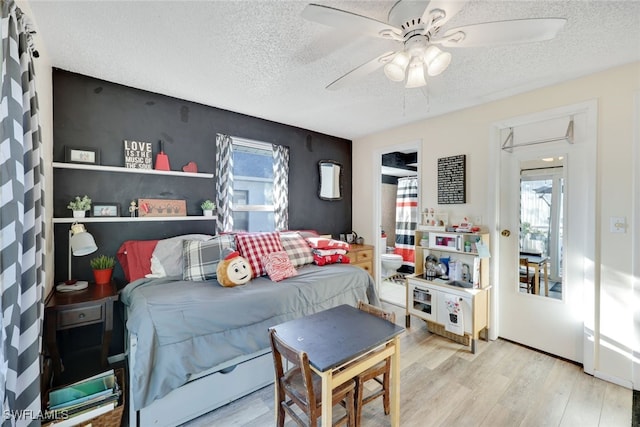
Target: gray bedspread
[(184, 327)]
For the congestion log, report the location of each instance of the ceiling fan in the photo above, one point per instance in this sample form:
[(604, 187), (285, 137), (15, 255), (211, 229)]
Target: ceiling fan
[(418, 26)]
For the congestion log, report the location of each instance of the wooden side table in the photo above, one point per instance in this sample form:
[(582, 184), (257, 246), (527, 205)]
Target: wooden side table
[(362, 256), (66, 310)]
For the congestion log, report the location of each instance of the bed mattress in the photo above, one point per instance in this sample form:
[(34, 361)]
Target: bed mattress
[(186, 327)]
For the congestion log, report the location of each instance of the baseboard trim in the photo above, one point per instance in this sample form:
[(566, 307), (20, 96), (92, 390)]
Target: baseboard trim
[(612, 379)]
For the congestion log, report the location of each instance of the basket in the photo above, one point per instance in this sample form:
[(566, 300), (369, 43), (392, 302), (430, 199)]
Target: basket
[(112, 418), (439, 329)]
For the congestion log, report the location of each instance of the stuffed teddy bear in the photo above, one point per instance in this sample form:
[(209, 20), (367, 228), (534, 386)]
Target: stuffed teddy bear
[(233, 270)]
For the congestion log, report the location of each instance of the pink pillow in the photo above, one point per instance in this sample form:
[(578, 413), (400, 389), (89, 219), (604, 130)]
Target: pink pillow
[(253, 246), (278, 266)]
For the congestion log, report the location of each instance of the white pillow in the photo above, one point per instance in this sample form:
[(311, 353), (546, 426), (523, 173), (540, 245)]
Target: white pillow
[(168, 255), (157, 270)]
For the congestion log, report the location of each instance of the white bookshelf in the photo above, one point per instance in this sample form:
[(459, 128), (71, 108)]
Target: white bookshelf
[(100, 168), (133, 219)]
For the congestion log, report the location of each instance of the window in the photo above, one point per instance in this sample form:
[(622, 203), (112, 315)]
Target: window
[(541, 215), (256, 174), (253, 177)]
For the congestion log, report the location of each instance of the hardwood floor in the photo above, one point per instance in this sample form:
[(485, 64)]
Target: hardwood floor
[(443, 384)]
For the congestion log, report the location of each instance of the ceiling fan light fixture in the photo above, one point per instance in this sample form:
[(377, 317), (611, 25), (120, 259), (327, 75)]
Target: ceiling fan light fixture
[(437, 61), (415, 76), (395, 69)]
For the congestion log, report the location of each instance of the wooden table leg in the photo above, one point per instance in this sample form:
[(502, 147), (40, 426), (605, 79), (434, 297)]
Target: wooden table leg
[(106, 332), (50, 321), (536, 279), (546, 279), (327, 398), (395, 383)]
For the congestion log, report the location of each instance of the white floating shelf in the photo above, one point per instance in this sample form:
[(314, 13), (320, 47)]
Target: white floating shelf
[(134, 219), (100, 168)]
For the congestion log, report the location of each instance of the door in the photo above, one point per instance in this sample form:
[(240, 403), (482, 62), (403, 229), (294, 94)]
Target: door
[(545, 217)]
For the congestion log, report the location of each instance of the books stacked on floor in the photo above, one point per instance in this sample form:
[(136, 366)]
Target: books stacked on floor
[(83, 400)]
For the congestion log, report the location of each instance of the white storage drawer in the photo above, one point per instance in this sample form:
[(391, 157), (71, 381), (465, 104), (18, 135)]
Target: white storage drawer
[(208, 393)]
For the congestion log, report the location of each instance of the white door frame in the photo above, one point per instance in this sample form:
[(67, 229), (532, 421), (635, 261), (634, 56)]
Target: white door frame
[(377, 184), (590, 108), (635, 245)]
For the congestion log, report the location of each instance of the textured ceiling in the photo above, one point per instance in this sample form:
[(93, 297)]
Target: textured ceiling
[(262, 59)]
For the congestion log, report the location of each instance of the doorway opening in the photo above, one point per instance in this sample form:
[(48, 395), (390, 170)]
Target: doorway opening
[(398, 216)]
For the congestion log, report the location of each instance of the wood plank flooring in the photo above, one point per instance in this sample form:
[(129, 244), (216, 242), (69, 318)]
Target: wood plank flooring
[(443, 384)]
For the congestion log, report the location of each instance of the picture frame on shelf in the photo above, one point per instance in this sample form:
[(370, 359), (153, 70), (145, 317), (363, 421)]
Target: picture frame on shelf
[(105, 209), (162, 207), (84, 155)]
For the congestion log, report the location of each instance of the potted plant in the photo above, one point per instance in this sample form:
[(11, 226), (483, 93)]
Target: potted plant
[(103, 269), (207, 207), (79, 206)]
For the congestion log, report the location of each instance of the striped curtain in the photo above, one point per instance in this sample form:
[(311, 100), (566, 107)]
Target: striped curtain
[(22, 221), (406, 220), (224, 182), (281, 186)]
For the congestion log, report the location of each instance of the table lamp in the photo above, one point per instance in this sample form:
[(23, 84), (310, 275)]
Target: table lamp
[(81, 243)]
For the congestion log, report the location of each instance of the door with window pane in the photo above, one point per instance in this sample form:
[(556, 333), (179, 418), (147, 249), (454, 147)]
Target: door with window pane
[(541, 230)]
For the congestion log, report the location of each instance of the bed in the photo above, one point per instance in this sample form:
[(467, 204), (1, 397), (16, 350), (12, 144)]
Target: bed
[(194, 346)]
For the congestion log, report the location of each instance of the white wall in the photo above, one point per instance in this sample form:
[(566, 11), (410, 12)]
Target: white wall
[(468, 132)]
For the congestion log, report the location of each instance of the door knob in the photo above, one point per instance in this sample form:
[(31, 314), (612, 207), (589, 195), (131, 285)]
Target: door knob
[(506, 233)]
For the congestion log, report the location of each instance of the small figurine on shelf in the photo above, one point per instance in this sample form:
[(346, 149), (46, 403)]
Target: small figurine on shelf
[(133, 208)]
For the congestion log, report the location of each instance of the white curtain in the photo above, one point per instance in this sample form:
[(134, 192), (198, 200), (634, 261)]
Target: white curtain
[(224, 182), (281, 186), (22, 217)]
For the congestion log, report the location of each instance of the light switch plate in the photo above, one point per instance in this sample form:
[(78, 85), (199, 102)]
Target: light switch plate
[(618, 224)]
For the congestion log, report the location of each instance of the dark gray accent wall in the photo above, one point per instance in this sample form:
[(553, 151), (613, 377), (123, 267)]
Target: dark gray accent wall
[(94, 113)]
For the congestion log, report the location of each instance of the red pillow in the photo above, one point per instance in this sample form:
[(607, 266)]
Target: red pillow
[(135, 258), (330, 259), (253, 246), (323, 243)]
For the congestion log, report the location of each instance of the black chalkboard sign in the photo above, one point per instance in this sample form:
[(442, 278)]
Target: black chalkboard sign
[(451, 180), (137, 155)]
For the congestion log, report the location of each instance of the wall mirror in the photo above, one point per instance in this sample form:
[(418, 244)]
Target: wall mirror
[(330, 180)]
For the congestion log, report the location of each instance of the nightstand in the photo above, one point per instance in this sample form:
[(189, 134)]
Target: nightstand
[(66, 310), (362, 256)]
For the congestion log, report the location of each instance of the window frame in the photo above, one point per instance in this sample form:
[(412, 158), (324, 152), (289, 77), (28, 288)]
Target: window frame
[(256, 145)]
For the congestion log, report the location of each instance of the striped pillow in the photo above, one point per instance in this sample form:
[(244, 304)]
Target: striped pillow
[(200, 258), (278, 266), (253, 246), (297, 248)]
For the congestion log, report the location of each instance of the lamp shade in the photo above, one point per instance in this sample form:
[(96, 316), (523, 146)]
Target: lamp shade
[(81, 241), (395, 69), (437, 61), (415, 76)]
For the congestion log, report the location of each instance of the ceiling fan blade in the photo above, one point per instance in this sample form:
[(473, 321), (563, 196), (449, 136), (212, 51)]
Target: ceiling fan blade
[(342, 19), (502, 32), (433, 13), (361, 71)]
